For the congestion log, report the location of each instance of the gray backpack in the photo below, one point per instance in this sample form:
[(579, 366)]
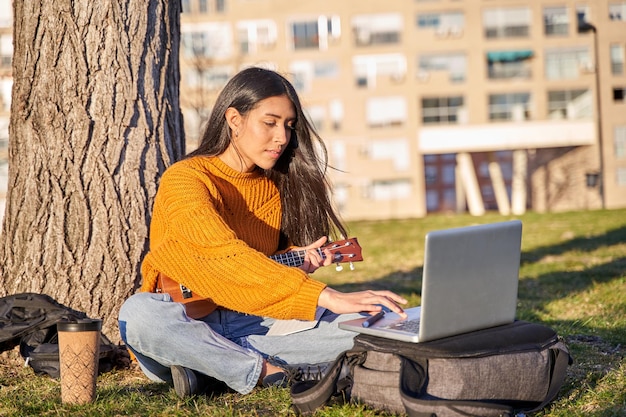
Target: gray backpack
[(500, 371)]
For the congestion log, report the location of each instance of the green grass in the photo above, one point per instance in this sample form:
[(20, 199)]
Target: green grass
[(572, 278)]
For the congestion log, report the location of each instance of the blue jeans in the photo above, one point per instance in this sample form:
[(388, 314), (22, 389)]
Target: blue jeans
[(225, 345)]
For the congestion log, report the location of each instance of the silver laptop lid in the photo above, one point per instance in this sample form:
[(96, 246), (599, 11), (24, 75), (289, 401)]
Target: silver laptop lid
[(470, 278)]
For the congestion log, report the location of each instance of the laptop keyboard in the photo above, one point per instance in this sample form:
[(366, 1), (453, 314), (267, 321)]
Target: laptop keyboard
[(411, 326)]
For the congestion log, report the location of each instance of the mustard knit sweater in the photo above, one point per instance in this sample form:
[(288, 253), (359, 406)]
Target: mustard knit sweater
[(213, 229)]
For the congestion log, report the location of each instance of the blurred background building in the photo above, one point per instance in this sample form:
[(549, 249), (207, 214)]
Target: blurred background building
[(427, 105), (437, 105)]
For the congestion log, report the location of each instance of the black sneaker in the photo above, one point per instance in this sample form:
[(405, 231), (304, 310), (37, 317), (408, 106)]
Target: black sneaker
[(296, 373), (185, 381), (278, 380), (308, 372)]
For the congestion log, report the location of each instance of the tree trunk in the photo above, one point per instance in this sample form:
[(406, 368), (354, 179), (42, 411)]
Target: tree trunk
[(95, 119)]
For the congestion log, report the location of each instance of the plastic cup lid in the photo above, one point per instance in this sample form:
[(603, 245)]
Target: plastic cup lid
[(81, 325)]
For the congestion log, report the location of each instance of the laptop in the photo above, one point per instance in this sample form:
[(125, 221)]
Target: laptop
[(469, 283)]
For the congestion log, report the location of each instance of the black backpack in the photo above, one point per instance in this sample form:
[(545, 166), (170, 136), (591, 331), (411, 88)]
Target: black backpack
[(30, 319)]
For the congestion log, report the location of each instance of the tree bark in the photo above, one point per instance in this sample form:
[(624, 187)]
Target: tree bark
[(95, 119)]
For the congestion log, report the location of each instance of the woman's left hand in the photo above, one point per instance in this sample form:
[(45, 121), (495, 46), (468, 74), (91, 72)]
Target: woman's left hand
[(312, 257)]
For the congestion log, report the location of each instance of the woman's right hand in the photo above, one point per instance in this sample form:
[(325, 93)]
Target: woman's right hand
[(361, 302)]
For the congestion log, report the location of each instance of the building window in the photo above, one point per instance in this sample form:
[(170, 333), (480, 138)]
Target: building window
[(367, 68), (582, 17), (303, 72), (255, 34), (6, 50), (6, 86), (394, 150), (185, 6), (315, 33), (454, 64), (430, 175), (570, 104), (507, 22), (204, 6), (386, 111), (4, 146), (194, 44), (514, 106), (441, 110), (377, 29), (317, 115), (206, 40), (448, 174), (385, 190), (618, 94), (6, 21), (301, 75), (305, 35), (210, 78), (509, 64), (443, 24), (338, 153), (341, 194), (617, 59), (621, 177), (620, 142), (326, 69), (555, 20), (432, 200), (335, 108), (440, 179), (567, 63), (617, 11), (449, 199)]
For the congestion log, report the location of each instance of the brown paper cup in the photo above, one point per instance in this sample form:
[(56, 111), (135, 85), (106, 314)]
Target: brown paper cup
[(79, 354)]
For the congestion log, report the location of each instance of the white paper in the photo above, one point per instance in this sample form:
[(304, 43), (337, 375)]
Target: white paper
[(285, 327)]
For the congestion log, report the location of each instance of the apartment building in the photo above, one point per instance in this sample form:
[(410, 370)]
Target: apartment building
[(436, 105), (425, 105)]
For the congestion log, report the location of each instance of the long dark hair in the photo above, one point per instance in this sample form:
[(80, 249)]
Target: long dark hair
[(299, 174)]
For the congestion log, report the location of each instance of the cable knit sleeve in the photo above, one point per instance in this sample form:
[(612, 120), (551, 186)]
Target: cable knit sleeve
[(213, 234)]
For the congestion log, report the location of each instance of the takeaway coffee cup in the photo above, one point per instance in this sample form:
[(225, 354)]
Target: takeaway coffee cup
[(79, 354)]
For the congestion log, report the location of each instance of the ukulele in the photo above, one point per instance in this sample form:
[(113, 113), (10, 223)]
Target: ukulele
[(196, 307)]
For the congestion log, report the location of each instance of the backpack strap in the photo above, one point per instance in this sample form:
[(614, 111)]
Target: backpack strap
[(307, 396)]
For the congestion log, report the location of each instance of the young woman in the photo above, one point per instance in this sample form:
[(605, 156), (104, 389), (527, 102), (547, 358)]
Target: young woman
[(255, 187)]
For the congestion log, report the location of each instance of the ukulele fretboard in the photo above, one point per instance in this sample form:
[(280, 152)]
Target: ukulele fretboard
[(295, 258)]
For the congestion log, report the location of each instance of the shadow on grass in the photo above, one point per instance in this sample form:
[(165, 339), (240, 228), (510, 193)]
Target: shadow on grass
[(555, 285), (536, 294), (582, 244)]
